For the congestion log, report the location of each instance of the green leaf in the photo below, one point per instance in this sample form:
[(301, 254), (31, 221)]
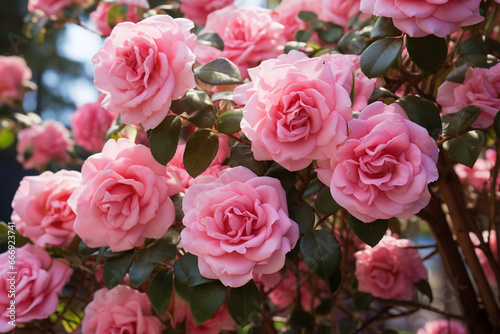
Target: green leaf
[(286, 177), (369, 233), (307, 16), (320, 251), (186, 271), (496, 123), (379, 56), (477, 60), (241, 155), (330, 33), (145, 258), (424, 287), (211, 39), (206, 300), (116, 14), (226, 95), (302, 35), (316, 25), (301, 319), (458, 74), (220, 71), (362, 300), (243, 303), (303, 215), (289, 46), (466, 148), (423, 112), (7, 137), (325, 203), (348, 326), (479, 44), (384, 27), (229, 121), (353, 43), (457, 122), (204, 117), (182, 289), (428, 53), (381, 93), (163, 139), (325, 307), (160, 290), (192, 101), (115, 268), (201, 149), (140, 270), (334, 281)]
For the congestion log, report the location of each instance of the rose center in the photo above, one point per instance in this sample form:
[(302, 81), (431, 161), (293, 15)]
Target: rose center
[(239, 224)]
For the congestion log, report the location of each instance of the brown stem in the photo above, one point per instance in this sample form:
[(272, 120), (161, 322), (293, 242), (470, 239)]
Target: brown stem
[(415, 305)]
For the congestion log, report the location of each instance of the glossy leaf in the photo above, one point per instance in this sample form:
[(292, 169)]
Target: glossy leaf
[(229, 121), (423, 112), (369, 233), (302, 35), (479, 44), (160, 290), (219, 71), (140, 270), (211, 39), (294, 46), (163, 139), (192, 101), (384, 27), (115, 268), (243, 303), (334, 281), (353, 43), (182, 289), (320, 251), (206, 300), (226, 95), (424, 287), (307, 15), (201, 149), (466, 148), (457, 122), (241, 155), (186, 270), (286, 177), (330, 33), (325, 203), (303, 215), (379, 56), (204, 117), (458, 74), (428, 53)]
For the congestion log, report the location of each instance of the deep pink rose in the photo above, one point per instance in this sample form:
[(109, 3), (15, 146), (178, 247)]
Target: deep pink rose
[(481, 88), (142, 67), (198, 10), (479, 175), (14, 73), (90, 123), (125, 195), (340, 11), (120, 310), (180, 311), (383, 168), (100, 16), (288, 13), (250, 35), (40, 144), (55, 7), (295, 111), (238, 225), (442, 327), (389, 269), (41, 212), (424, 17), (38, 281), (488, 271)]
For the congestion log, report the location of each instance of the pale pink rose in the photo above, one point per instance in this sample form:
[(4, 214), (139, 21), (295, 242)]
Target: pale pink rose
[(180, 312), (41, 212), (90, 123), (250, 35), (120, 310), (55, 7), (40, 144), (442, 327), (125, 195), (389, 269), (295, 110), (481, 88), (100, 16), (288, 13), (340, 11), (479, 175), (14, 73), (488, 271), (38, 279), (383, 168), (425, 17), (198, 10), (238, 225), (176, 166), (142, 67)]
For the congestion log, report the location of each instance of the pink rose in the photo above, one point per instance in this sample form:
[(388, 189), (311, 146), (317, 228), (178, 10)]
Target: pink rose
[(120, 310), (288, 13), (125, 195), (54, 7), (295, 111), (383, 168), (442, 327), (478, 176), (238, 225), (180, 311), (250, 35), (425, 17), (198, 10), (389, 269), (100, 16), (488, 271), (14, 73), (38, 281), (481, 88), (143, 67), (90, 123), (40, 144), (40, 209), (340, 11)]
